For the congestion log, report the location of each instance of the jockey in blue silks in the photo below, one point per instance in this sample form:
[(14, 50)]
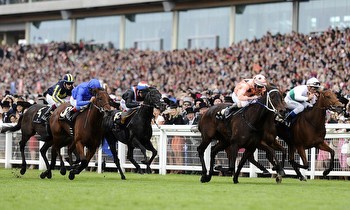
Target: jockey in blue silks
[(82, 96)]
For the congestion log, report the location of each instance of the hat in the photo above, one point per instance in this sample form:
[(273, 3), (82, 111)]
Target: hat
[(203, 105), (173, 106), (24, 104), (5, 104), (189, 110)]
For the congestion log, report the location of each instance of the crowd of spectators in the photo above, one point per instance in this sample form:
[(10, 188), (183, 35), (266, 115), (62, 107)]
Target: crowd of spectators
[(285, 59)]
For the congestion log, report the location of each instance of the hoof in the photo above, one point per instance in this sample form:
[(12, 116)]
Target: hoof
[(235, 182), (205, 178), (123, 177), (71, 176), (278, 179), (63, 171), (326, 172), (42, 175), (282, 173), (302, 178), (23, 171), (49, 175)]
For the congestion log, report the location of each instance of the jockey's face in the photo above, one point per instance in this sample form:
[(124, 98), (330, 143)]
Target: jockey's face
[(68, 86), (312, 89)]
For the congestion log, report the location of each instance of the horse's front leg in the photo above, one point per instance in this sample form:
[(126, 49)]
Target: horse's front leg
[(325, 147), (130, 157), (247, 153), (22, 145), (201, 149), (43, 151), (294, 164), (113, 149)]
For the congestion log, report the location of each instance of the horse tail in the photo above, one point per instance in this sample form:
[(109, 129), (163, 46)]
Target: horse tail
[(13, 128)]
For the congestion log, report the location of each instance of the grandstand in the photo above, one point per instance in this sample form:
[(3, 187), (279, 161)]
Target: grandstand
[(164, 25)]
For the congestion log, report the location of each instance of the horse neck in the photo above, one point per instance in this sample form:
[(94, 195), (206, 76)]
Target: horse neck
[(146, 112), (255, 114), (317, 115)]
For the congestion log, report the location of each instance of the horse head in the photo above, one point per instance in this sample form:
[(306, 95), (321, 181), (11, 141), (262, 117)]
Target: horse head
[(154, 99), (102, 99), (328, 100), (273, 100)]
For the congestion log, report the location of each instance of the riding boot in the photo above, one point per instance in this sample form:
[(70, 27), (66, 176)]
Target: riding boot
[(229, 109), (47, 114), (69, 115), (289, 118)]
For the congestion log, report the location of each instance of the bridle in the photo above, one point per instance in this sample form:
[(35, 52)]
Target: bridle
[(268, 104)]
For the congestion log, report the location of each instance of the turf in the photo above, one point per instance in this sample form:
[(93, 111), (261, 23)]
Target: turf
[(90, 190)]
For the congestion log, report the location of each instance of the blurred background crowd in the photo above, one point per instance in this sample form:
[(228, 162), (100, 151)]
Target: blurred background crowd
[(26, 71)]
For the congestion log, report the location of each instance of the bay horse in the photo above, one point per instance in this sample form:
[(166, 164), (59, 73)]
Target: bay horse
[(136, 131), (245, 129), (308, 130), (87, 131), (29, 125)]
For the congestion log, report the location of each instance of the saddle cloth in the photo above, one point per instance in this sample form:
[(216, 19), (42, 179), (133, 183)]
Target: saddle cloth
[(39, 114)]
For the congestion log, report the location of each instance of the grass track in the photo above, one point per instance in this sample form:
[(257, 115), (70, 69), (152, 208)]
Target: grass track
[(90, 190)]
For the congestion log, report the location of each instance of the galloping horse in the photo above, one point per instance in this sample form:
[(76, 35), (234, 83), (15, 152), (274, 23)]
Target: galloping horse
[(87, 131), (29, 128), (136, 131), (308, 130), (245, 129)]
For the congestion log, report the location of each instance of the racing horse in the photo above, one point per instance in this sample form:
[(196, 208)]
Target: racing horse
[(308, 130), (136, 131), (86, 130), (29, 125), (245, 129)]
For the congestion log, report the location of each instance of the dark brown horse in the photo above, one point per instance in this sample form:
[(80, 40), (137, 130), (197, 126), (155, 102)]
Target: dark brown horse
[(87, 131), (308, 130), (245, 129), (29, 126), (136, 132)]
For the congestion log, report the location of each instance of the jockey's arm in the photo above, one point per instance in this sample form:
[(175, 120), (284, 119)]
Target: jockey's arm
[(79, 99), (299, 97), (55, 95), (241, 91), (129, 100)]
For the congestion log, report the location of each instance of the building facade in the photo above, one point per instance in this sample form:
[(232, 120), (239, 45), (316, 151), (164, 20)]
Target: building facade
[(164, 25)]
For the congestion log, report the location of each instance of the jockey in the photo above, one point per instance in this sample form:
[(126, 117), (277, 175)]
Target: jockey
[(57, 94), (133, 96), (300, 97), (244, 93), (82, 96)]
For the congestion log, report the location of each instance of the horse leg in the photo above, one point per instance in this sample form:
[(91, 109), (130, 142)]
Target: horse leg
[(220, 146), (265, 172), (113, 149), (201, 149), (83, 160), (43, 151), (247, 153), (325, 147), (130, 156), (277, 146), (48, 172), (271, 156), (150, 147), (22, 145), (294, 164)]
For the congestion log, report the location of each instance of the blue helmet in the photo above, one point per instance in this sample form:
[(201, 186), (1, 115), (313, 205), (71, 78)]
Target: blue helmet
[(68, 78), (142, 85), (94, 83)]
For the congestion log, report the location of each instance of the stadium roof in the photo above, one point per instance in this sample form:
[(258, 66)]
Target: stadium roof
[(52, 10)]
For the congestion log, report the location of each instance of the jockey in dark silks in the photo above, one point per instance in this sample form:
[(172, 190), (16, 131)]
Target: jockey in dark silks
[(134, 96), (82, 97), (57, 94)]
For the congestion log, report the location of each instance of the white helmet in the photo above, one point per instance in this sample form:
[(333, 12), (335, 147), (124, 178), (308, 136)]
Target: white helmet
[(259, 80), (313, 82)]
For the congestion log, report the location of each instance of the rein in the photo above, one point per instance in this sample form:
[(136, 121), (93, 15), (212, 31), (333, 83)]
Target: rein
[(266, 105), (269, 102)]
